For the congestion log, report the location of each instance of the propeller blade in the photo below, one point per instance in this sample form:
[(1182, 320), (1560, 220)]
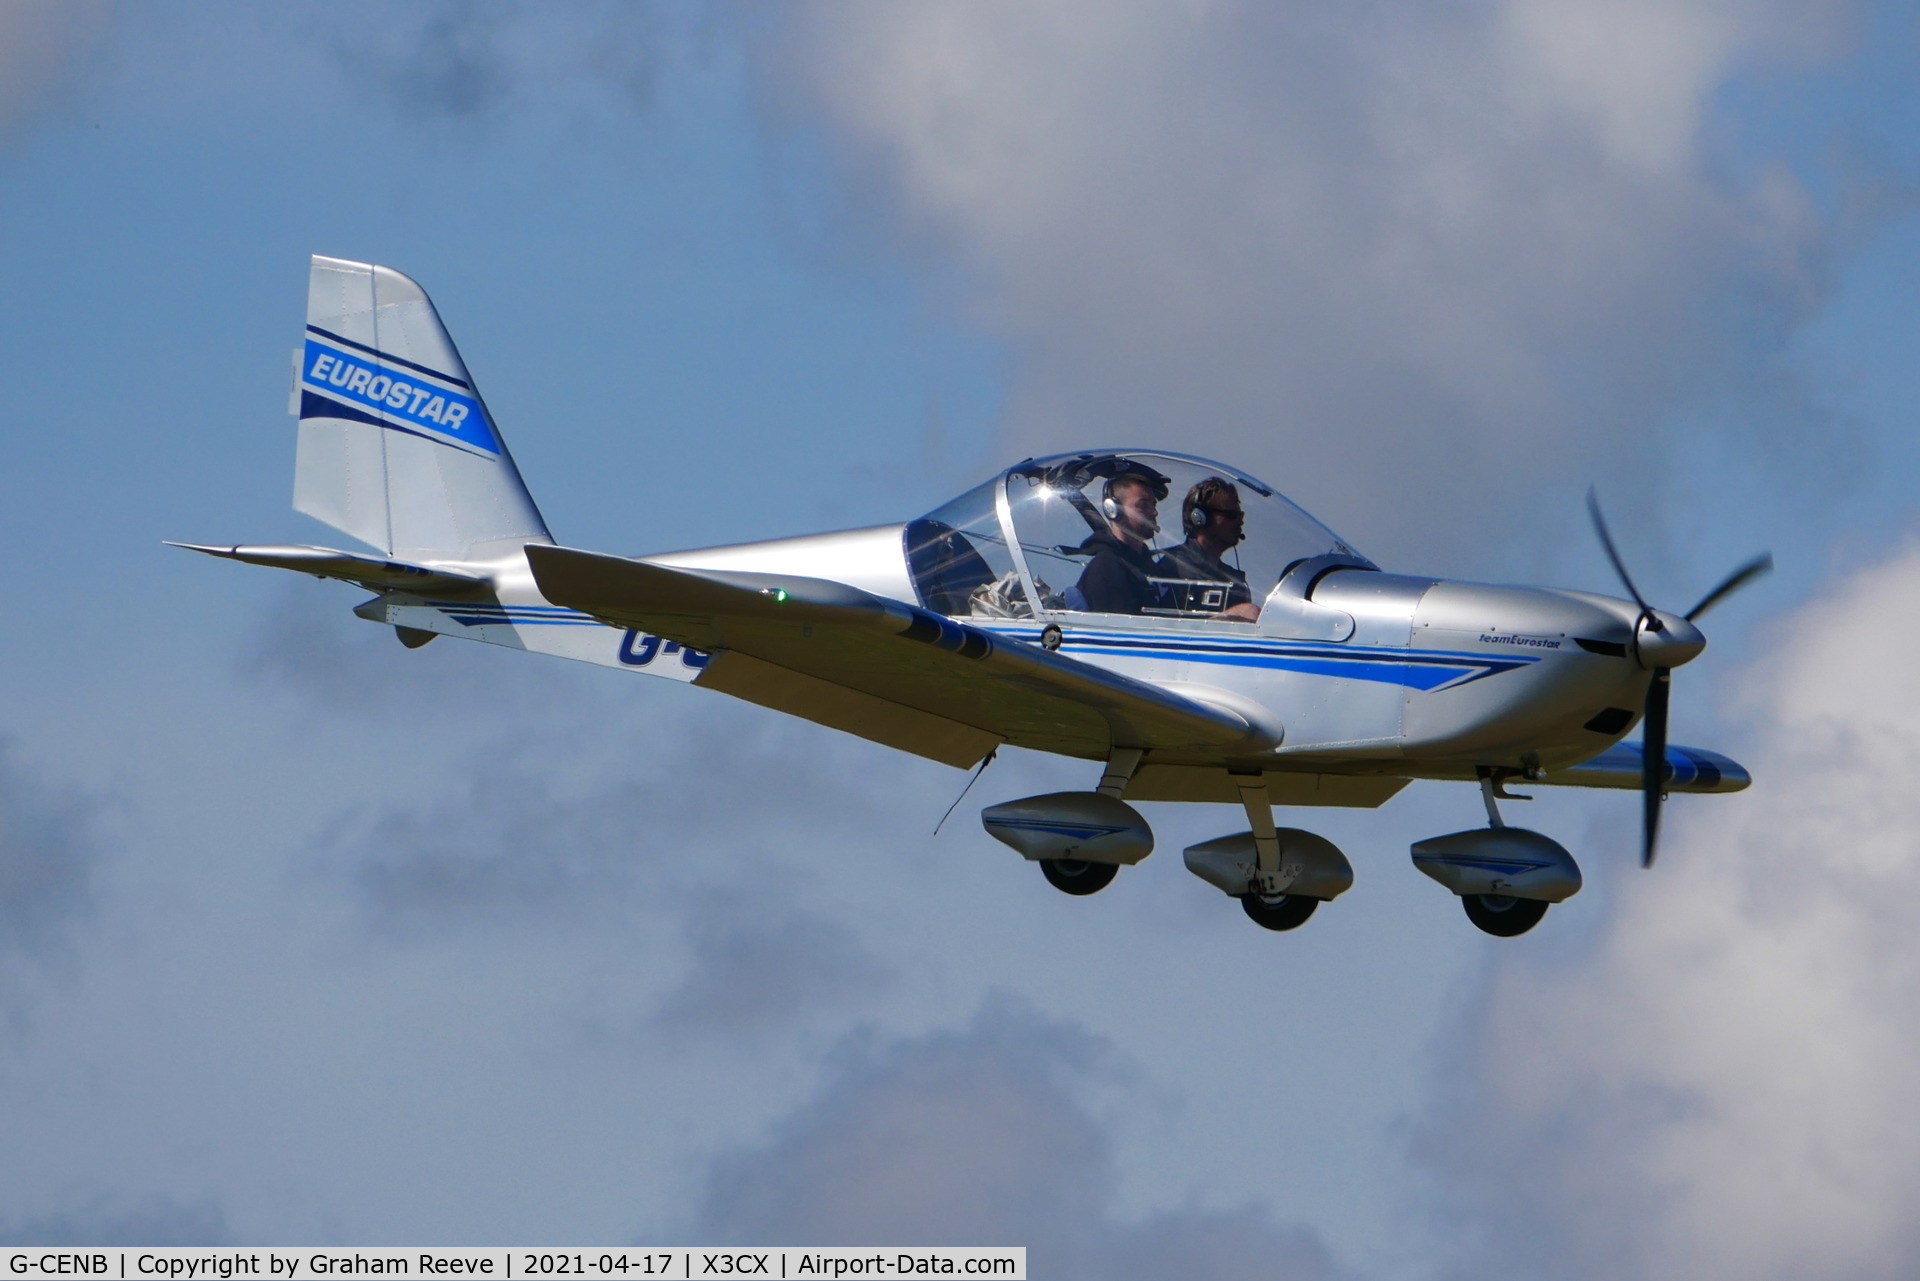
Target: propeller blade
[(1653, 760), (1613, 554), (1761, 564)]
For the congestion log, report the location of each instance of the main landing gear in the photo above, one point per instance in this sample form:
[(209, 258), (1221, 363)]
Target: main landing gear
[(1281, 875), (1503, 915), (1506, 877), (1077, 876), (1079, 839), (1279, 912)]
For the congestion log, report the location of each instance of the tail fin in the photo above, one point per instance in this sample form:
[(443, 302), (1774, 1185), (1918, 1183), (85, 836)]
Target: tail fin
[(396, 446)]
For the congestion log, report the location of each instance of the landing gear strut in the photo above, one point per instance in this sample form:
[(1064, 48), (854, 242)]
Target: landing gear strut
[(1079, 839), (1266, 901), (1269, 881)]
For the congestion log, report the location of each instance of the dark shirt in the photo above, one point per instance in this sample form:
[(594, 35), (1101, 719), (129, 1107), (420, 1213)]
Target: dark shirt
[(1115, 581), (1189, 562)]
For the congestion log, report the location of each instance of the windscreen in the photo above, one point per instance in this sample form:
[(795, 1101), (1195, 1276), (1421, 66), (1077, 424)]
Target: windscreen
[(1156, 535), (1147, 534), (960, 561)]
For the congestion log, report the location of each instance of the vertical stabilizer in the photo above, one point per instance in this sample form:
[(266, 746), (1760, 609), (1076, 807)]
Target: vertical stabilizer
[(396, 446)]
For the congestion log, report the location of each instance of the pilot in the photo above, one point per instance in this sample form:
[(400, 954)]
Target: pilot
[(1215, 523), (1115, 581)]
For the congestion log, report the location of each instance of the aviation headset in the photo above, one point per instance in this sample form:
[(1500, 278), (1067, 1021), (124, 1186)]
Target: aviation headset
[(1110, 506), (1197, 515)]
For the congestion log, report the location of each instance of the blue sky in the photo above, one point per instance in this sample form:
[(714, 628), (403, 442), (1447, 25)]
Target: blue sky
[(308, 938)]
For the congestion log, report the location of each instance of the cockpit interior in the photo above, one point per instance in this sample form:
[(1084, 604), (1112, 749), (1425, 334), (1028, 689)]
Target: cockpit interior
[(1136, 533)]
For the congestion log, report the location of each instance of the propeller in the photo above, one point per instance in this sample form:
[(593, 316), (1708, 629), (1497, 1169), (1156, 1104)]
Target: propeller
[(1759, 565), (1653, 638)]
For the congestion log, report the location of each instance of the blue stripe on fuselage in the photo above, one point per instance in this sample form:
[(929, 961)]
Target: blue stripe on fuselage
[(1421, 669), (1418, 669), (476, 615)]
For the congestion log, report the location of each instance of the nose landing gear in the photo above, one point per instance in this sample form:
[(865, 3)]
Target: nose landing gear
[(1506, 877)]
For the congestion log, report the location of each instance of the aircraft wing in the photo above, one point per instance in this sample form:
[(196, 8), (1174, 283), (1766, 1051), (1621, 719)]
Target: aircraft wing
[(884, 670), (1689, 769)]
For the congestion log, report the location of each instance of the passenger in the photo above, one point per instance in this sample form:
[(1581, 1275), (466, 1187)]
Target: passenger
[(1215, 523), (1115, 581)]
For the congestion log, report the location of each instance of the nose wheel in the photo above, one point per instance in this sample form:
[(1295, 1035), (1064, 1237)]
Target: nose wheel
[(1077, 876), (1502, 915), (1280, 911)]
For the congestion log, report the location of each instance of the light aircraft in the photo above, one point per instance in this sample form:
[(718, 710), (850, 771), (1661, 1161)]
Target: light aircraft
[(1248, 656)]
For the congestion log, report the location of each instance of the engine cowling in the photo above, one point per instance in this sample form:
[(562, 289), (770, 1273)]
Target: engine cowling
[(1088, 826), (1500, 860), (1318, 868)]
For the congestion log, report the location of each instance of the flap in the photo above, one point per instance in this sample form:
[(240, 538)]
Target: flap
[(894, 652), (837, 707)]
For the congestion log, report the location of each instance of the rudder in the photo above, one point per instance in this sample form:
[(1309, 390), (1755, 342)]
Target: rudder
[(396, 446)]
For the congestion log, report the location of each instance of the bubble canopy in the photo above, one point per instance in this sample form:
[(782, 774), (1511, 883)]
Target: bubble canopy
[(1135, 532)]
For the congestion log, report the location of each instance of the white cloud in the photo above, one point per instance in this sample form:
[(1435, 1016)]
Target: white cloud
[(548, 841), (1723, 1089), (759, 965), (982, 1135), (1639, 72), (1376, 251), (475, 58)]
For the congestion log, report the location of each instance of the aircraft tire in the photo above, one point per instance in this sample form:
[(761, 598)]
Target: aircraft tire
[(1077, 876), (1287, 912), (1503, 915)]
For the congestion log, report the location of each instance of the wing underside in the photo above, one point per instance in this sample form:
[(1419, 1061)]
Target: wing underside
[(884, 670), (1688, 769)]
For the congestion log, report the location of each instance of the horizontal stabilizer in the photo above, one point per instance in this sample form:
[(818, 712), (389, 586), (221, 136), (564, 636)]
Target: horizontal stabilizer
[(845, 637), (376, 573), (1689, 769)]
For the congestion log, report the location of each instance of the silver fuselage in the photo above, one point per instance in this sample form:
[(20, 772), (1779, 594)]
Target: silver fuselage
[(1362, 678)]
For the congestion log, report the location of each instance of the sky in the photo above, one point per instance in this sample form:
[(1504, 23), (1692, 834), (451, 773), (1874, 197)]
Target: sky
[(308, 938)]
